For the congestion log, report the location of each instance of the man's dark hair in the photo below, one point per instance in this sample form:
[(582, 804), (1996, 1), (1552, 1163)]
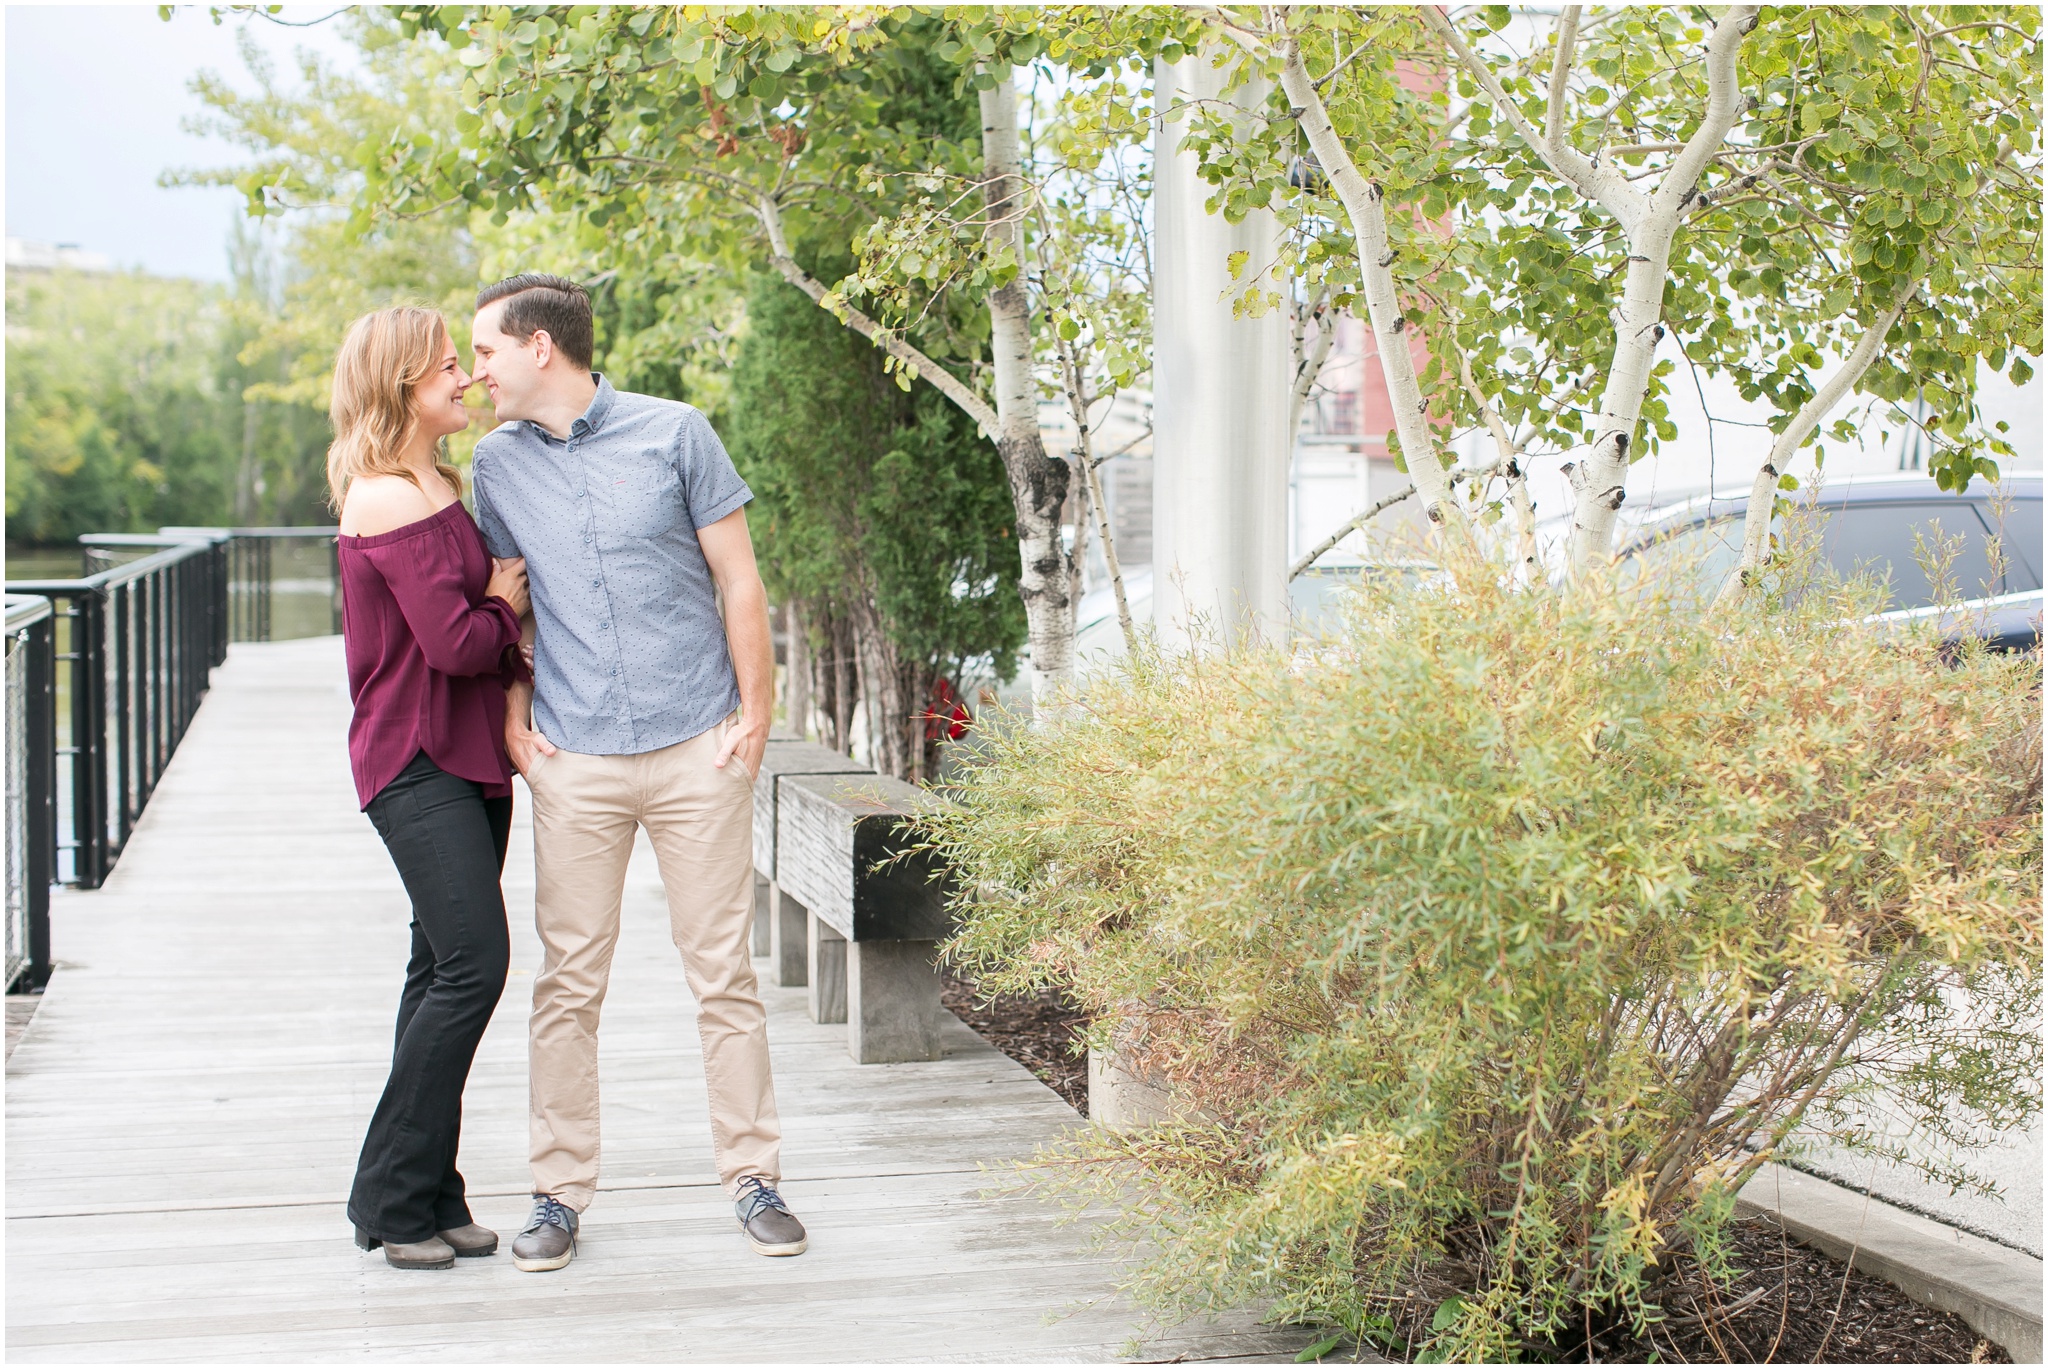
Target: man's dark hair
[(555, 305)]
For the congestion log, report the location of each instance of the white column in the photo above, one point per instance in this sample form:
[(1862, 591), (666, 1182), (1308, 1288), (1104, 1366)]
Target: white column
[(1220, 400)]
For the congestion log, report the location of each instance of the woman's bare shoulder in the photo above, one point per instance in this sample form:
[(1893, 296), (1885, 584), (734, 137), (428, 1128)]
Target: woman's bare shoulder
[(382, 503)]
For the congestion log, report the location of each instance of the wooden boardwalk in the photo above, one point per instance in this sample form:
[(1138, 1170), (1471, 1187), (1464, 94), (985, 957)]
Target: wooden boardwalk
[(184, 1111)]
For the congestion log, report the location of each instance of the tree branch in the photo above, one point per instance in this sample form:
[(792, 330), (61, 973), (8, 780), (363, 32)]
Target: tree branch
[(1724, 105), (1373, 511), (1364, 205), (1560, 72), (1756, 525), (921, 366), (1598, 184)]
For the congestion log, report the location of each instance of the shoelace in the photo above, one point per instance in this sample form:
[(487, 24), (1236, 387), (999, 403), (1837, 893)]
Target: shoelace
[(548, 1212), (755, 1194)]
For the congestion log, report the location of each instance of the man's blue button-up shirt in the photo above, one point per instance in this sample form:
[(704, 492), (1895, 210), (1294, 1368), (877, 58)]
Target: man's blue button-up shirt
[(629, 653)]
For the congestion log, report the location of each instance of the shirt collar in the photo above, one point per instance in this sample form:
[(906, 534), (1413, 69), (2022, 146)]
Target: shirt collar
[(593, 417)]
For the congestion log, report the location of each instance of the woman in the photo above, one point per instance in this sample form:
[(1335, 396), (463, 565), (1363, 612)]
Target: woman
[(431, 627)]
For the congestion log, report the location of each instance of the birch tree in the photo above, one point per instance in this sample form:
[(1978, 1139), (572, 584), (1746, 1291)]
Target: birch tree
[(1814, 202)]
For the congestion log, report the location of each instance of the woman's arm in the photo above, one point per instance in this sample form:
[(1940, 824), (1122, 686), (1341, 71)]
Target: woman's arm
[(457, 637)]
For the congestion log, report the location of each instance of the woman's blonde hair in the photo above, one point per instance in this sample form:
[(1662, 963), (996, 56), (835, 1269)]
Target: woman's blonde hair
[(376, 374)]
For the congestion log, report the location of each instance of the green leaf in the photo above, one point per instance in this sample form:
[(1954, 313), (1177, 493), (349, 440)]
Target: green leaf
[(1236, 263), (1311, 1354), (1447, 1313)]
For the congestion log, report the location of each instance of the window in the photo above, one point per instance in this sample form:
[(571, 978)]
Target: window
[(1881, 539)]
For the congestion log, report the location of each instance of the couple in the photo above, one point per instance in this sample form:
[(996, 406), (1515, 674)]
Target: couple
[(636, 705)]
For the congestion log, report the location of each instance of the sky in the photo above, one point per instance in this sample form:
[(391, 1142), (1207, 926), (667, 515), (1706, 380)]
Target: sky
[(97, 99)]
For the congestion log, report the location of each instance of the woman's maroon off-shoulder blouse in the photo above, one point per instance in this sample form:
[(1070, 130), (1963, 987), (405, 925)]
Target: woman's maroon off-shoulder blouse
[(428, 654)]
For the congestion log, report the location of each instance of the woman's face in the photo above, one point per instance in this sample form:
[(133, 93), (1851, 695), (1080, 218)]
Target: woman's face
[(439, 396)]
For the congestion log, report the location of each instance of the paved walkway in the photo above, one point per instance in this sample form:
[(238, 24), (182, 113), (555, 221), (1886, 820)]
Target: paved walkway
[(184, 1111)]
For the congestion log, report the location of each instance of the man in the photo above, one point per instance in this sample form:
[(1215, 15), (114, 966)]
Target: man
[(632, 522)]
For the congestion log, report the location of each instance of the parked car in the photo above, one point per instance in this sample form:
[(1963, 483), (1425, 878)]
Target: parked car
[(1871, 523)]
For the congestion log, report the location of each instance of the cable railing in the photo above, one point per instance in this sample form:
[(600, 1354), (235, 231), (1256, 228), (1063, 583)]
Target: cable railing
[(110, 668)]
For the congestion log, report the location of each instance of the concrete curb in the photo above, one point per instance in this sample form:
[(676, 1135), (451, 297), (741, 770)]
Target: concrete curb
[(1997, 1290)]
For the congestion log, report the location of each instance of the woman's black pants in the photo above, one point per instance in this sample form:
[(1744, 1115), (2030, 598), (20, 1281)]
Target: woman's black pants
[(448, 842)]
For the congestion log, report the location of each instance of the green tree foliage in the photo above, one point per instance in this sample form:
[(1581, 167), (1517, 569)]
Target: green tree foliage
[(1551, 196), (1477, 977), (125, 408), (880, 514), (664, 325)]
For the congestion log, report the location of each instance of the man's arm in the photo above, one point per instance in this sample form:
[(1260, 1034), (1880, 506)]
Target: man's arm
[(729, 551), (522, 742)]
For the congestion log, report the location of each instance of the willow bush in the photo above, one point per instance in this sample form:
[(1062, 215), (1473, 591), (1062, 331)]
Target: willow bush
[(1491, 944)]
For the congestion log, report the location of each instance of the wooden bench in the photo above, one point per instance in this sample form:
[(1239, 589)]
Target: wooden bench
[(872, 921), (779, 930)]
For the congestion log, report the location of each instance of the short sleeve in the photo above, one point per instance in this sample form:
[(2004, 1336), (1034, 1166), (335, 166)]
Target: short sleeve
[(710, 483), (497, 537)]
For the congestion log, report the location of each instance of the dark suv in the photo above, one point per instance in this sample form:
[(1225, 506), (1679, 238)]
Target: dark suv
[(1869, 523)]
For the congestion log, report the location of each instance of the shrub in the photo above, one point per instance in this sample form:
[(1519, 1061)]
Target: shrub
[(1495, 941)]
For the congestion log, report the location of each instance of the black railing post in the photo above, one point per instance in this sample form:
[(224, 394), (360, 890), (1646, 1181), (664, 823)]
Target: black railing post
[(89, 737), (217, 600), (127, 738), (30, 772), (39, 702), (334, 572)]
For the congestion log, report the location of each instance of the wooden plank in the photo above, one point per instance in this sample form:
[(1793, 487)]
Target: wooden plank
[(789, 757), (184, 1114), (838, 847)]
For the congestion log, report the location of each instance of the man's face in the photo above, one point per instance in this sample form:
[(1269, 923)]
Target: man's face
[(507, 367)]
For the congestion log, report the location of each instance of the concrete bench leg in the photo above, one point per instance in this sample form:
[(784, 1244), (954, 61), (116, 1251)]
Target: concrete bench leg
[(761, 939), (788, 955), (892, 1001), (828, 972)]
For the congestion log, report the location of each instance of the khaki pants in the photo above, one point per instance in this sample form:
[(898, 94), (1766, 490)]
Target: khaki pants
[(699, 819)]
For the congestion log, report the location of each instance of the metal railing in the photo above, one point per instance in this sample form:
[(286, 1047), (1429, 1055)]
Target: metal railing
[(139, 644), (254, 584), (31, 787), (132, 651)]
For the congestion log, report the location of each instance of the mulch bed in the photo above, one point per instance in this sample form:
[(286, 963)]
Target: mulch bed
[(1790, 1303), (1038, 1031)]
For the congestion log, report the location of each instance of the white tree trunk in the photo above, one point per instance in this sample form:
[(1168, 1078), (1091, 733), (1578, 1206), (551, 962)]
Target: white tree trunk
[(1364, 205), (1763, 492), (1038, 483), (1599, 483)]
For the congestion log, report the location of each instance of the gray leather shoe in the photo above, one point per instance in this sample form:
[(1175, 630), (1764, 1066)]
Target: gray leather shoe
[(770, 1226), (432, 1253), (549, 1240), (472, 1242)]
